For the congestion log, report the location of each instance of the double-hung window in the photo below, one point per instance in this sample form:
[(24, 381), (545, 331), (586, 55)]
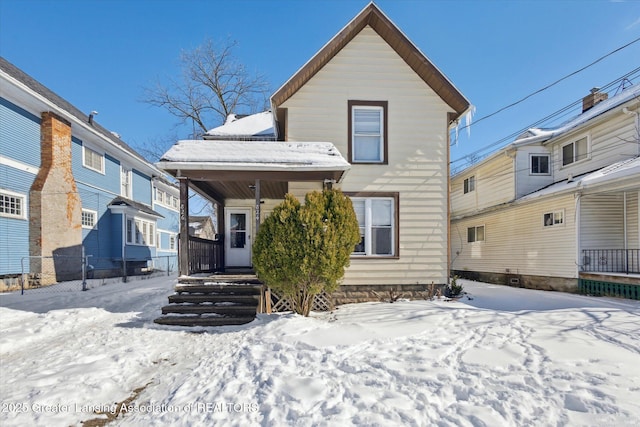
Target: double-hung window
[(378, 225), (125, 182), (575, 151), (368, 131), (92, 159)]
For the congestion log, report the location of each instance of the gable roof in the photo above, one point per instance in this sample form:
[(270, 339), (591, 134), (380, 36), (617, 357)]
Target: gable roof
[(390, 33), (70, 110)]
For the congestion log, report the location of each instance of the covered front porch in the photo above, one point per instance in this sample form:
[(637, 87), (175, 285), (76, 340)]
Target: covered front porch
[(245, 180), (609, 242)]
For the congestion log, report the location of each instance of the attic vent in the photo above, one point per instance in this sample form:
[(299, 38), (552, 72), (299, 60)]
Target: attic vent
[(593, 99)]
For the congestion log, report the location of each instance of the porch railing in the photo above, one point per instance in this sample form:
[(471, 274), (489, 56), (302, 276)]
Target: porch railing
[(611, 260), (205, 256)]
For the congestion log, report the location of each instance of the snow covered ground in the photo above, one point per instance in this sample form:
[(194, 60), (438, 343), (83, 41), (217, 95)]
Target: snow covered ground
[(507, 357)]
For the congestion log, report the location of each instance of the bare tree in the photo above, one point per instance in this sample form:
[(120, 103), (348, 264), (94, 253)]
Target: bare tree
[(213, 84)]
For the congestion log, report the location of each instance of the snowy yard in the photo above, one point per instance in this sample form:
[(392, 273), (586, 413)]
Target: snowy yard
[(507, 357)]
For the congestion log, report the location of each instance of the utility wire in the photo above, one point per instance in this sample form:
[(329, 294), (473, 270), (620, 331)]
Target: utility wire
[(563, 111), (550, 85)]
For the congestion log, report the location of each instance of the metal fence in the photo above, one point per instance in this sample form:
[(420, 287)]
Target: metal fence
[(79, 273), (611, 260)]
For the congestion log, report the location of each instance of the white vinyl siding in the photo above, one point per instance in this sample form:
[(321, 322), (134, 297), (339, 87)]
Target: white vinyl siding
[(494, 183), (12, 205), (93, 160), (417, 163), (519, 242)]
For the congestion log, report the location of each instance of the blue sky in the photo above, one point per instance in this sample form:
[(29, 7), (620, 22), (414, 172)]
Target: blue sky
[(100, 54)]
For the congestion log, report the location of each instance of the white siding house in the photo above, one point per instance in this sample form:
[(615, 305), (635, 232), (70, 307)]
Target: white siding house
[(564, 210)]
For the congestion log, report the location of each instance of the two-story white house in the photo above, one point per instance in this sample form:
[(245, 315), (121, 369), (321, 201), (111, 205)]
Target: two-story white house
[(557, 208), (370, 114)]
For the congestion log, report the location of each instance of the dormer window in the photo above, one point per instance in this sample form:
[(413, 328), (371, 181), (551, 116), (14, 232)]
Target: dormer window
[(539, 164)]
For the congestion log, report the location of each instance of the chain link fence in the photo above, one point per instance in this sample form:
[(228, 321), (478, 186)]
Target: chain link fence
[(81, 273)]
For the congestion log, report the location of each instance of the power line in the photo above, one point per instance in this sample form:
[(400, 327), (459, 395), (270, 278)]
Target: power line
[(550, 85), (563, 111)]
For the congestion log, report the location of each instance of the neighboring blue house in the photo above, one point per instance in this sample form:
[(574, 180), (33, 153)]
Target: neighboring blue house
[(68, 183)]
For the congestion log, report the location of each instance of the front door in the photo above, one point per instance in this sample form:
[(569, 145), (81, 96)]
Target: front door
[(238, 238)]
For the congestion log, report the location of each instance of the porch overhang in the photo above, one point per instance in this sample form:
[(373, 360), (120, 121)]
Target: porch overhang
[(229, 169)]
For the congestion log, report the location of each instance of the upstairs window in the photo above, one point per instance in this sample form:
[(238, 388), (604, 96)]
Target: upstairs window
[(92, 160), (475, 234), (469, 184), (539, 164), (575, 151), (125, 182), (368, 131)]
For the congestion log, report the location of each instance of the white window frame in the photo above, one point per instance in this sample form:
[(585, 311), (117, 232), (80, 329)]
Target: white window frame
[(380, 108), (173, 242), (94, 220), (165, 198), (126, 182), (140, 232), (469, 184), (574, 160), (367, 227), (531, 157), (553, 219), (475, 233), (86, 150), (17, 197)]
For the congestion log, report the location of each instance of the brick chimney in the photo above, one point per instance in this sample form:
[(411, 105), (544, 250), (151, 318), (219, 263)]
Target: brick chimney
[(593, 98), (54, 206)]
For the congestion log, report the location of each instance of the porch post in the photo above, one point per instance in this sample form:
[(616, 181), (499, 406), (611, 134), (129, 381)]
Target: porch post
[(255, 233), (183, 248)]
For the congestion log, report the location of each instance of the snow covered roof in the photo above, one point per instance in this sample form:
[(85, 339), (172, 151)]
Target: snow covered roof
[(535, 135), (628, 169), (253, 156), (255, 126)]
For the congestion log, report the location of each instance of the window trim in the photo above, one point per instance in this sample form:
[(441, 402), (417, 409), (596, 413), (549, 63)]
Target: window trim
[(84, 158), (466, 186), (94, 214), (140, 231), (531, 172), (128, 172), (553, 216), (475, 233), (396, 221), (587, 139), (23, 204), (384, 105)]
